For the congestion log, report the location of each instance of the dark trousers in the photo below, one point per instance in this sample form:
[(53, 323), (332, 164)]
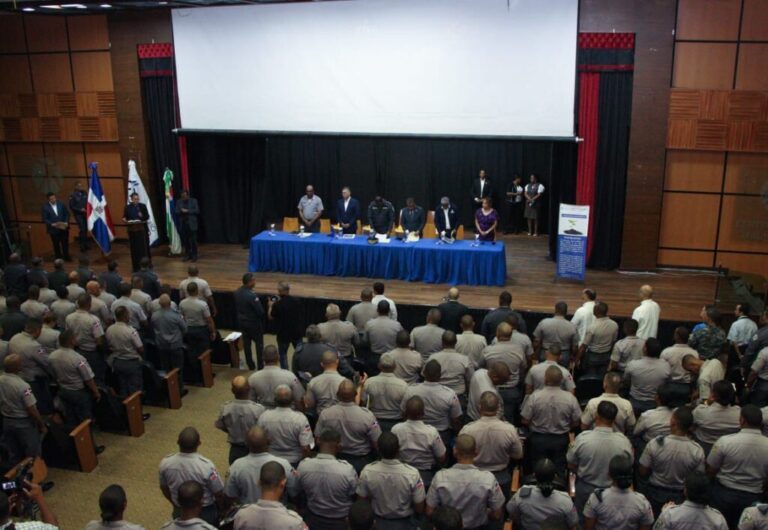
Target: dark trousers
[(21, 437), (511, 397), (129, 375), (236, 451), (681, 394), (658, 497), (78, 403), (42, 391), (60, 240), (357, 461), (98, 365), (255, 335), (198, 339), (641, 406), (318, 522), (731, 502), (759, 394), (596, 363), (189, 241), (551, 446), (171, 358), (314, 227), (386, 425), (82, 227), (282, 348), (583, 491), (139, 243)]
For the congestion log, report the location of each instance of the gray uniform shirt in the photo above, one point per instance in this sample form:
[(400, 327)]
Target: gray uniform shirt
[(34, 309), (189, 524), (339, 334), (674, 356), (169, 328), (100, 310), (87, 329), (754, 518), (124, 342), (508, 353), (268, 515), (392, 487), (310, 206), (49, 338), (383, 394), (203, 289), (141, 298), (535, 376), (760, 366), (671, 458), (653, 423), (49, 296), (408, 364), (420, 444), (481, 382), (177, 468), (440, 404), (551, 410), (264, 382), (742, 460), (71, 369), (625, 419), (196, 311), (713, 421), (62, 308), (236, 418), (357, 426), (322, 390), (289, 432), (468, 489), (617, 508), (601, 335), (627, 349), (328, 484), (529, 507), (470, 344), (592, 451), (34, 359), (136, 314), (456, 369), (427, 339), (107, 298), (118, 525), (381, 333), (497, 443), (690, 516), (646, 375), (557, 330), (243, 480), (74, 291), (15, 396), (360, 313)]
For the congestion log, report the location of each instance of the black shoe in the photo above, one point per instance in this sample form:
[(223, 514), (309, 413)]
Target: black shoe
[(184, 392), (45, 486), (146, 416), (99, 449)]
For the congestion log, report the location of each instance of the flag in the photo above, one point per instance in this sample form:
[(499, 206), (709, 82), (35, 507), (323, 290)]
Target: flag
[(97, 212), (136, 186), (174, 241)]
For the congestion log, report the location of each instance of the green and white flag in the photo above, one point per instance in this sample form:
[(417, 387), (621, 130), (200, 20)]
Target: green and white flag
[(174, 240)]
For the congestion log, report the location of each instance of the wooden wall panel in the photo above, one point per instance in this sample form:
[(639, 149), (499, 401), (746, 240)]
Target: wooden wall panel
[(704, 65), (8, 199), (115, 190), (694, 171), (752, 70), (12, 34), (88, 32), (51, 72), (25, 159), (3, 161), (708, 19), (65, 159), (754, 25), (46, 33), (15, 78), (746, 173), (744, 225), (685, 258), (108, 157), (92, 71), (750, 263), (689, 221)]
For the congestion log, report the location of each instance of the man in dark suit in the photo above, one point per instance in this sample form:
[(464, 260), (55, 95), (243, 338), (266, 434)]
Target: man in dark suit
[(139, 240), (481, 188), (412, 217), (78, 202), (347, 211), (56, 219), (15, 277), (58, 276), (111, 279), (150, 283), (446, 218), (188, 210), (250, 318), (452, 310)]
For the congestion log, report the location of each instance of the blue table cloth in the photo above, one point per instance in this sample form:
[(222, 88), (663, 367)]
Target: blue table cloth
[(427, 261)]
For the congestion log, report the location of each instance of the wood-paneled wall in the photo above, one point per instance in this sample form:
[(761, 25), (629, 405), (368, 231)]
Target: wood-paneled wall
[(717, 138)]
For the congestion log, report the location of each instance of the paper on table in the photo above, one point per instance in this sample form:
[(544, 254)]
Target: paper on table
[(382, 238), (232, 337)]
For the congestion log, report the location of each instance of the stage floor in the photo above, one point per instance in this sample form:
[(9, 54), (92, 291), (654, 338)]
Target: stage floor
[(529, 279)]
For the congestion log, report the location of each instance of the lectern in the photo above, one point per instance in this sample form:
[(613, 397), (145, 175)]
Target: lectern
[(138, 237)]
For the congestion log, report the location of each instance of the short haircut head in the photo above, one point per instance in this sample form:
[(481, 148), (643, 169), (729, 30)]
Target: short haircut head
[(328, 358), (620, 470), (332, 311), (387, 363), (752, 416), (684, 418), (189, 440), (192, 289), (432, 371), (361, 516), (329, 436), (591, 294), (561, 308), (681, 334), (467, 322), (84, 301), (121, 313), (666, 394), (313, 333), (112, 266), (125, 289), (403, 339), (62, 292), (257, 440), (505, 298), (723, 392), (607, 411), (449, 339), (283, 396), (389, 446), (630, 326), (283, 287), (366, 294), (447, 518), (66, 338), (247, 277), (601, 308), (612, 381), (713, 313), (466, 445), (190, 495), (13, 302), (414, 408), (553, 376), (33, 292), (489, 402), (653, 347), (272, 474), (33, 325), (378, 287), (382, 307)]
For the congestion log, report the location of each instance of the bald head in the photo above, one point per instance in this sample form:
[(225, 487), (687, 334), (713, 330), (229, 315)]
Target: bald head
[(612, 382), (553, 376), (453, 293), (489, 404), (165, 301), (646, 292), (449, 339), (240, 387), (283, 396), (346, 392), (503, 331), (74, 277), (329, 360), (332, 312), (257, 440), (414, 408), (434, 316), (499, 373), (12, 363), (93, 288), (387, 363)]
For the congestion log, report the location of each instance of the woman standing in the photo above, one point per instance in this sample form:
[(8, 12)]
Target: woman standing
[(486, 220), (533, 192), (515, 203), (618, 506), (533, 504)]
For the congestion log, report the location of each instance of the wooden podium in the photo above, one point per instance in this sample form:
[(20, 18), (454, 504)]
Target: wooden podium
[(138, 238)]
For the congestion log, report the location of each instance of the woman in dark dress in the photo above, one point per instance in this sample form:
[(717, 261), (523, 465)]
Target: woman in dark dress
[(533, 192), (486, 220)]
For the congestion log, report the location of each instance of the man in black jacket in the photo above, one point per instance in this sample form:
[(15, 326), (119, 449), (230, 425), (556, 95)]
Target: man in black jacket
[(381, 215), (452, 310), (286, 311), (112, 279), (250, 317), (481, 189), (15, 277), (56, 219), (188, 210)]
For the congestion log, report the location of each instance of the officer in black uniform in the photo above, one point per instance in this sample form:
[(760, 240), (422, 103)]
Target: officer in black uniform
[(77, 204)]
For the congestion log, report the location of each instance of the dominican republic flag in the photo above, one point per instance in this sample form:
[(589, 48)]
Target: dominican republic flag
[(99, 220)]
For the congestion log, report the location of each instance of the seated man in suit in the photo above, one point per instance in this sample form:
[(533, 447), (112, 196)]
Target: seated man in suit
[(412, 217), (347, 211), (56, 219), (446, 218)]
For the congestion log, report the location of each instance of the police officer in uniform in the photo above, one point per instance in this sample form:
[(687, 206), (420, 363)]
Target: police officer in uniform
[(618, 506), (395, 489), (488, 380), (534, 379), (383, 394), (237, 417), (23, 427), (755, 517), (250, 319), (243, 480), (112, 503), (428, 339), (268, 511), (357, 426), (188, 464), (35, 366), (420, 444), (328, 484), (591, 452), (668, 459), (127, 353), (654, 422), (338, 333), (679, 377), (264, 382), (473, 492), (598, 341), (290, 435), (77, 203), (718, 417), (646, 375), (694, 512), (625, 419), (169, 328), (89, 336), (408, 362), (137, 317), (557, 331), (200, 327), (322, 390), (513, 355), (532, 505), (190, 497), (62, 307), (457, 368)]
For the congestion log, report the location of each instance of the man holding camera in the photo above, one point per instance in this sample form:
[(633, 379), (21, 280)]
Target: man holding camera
[(34, 494)]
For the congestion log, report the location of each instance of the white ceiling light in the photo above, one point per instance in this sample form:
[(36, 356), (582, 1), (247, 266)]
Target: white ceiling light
[(75, 6), (51, 7), (28, 9), (106, 6)]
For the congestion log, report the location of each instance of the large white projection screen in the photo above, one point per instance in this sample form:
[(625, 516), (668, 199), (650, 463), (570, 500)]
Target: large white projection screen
[(414, 67)]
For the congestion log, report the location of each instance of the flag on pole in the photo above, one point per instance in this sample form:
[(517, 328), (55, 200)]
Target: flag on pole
[(136, 186), (174, 241), (97, 212)]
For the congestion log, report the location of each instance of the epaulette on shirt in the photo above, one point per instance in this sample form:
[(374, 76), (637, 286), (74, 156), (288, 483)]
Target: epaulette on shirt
[(599, 494), (762, 508), (660, 439), (525, 492)]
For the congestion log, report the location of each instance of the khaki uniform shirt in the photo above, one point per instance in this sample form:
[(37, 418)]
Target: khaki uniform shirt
[(196, 312), (269, 514), (593, 450), (107, 298), (456, 370), (557, 330), (529, 507), (420, 444), (34, 309), (339, 334), (203, 289), (34, 359), (627, 349), (427, 339), (264, 382), (87, 329), (392, 487), (690, 515), (742, 460), (236, 418), (124, 342), (360, 313), (713, 421), (551, 410), (289, 432), (653, 423), (508, 353), (15, 396), (470, 344), (646, 376), (481, 382), (408, 364), (47, 296), (62, 308), (177, 468), (536, 375), (710, 373), (440, 404), (671, 458), (383, 395), (381, 333), (243, 480), (71, 369), (618, 508), (497, 443), (100, 310), (74, 291), (49, 338), (674, 356), (625, 419), (322, 390), (141, 298), (357, 426), (468, 489), (522, 340), (136, 314), (601, 335), (329, 485)]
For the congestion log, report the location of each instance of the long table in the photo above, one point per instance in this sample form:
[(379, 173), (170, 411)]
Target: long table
[(428, 261)]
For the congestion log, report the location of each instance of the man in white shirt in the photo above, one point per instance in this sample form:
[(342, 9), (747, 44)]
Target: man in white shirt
[(647, 314), (743, 328), (585, 315), (378, 296)]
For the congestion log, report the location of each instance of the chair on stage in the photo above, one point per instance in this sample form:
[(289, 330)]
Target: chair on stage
[(290, 224), (430, 232)]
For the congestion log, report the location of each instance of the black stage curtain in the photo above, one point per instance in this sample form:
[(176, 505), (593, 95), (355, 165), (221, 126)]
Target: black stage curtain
[(615, 106), (245, 182), (562, 188)]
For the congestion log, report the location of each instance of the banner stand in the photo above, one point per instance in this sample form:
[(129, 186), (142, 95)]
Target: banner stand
[(572, 233)]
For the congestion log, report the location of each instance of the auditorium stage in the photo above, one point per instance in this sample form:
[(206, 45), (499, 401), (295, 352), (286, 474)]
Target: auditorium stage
[(530, 278)]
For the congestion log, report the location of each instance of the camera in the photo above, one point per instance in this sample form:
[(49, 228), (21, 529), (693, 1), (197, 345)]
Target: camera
[(16, 485)]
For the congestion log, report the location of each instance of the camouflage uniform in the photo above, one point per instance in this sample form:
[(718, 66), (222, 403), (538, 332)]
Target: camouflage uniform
[(708, 341)]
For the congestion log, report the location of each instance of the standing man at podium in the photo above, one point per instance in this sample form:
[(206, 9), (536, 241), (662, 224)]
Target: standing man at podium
[(56, 219), (137, 215)]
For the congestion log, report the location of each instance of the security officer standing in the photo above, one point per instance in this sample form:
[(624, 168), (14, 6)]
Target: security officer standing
[(420, 444), (473, 492), (290, 435), (618, 506), (755, 517), (201, 330), (268, 512), (598, 341), (497, 441), (328, 484), (126, 353), (190, 497), (243, 481), (667, 460), (679, 377), (513, 355), (35, 365), (591, 452), (395, 489), (188, 464), (381, 215), (694, 512), (718, 417), (169, 329), (625, 419), (383, 394), (264, 382), (78, 202), (338, 333), (557, 330), (237, 417), (408, 362), (486, 380), (187, 210), (23, 427), (457, 368), (533, 505), (381, 335), (250, 319), (441, 405), (322, 390), (550, 414), (654, 422), (89, 336), (357, 426), (428, 339), (534, 379), (646, 375), (137, 317), (739, 465)]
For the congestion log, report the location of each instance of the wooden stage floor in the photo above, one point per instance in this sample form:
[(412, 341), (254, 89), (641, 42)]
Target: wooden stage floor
[(529, 279)]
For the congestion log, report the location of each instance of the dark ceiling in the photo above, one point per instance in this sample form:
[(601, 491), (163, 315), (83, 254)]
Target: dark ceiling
[(73, 7)]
